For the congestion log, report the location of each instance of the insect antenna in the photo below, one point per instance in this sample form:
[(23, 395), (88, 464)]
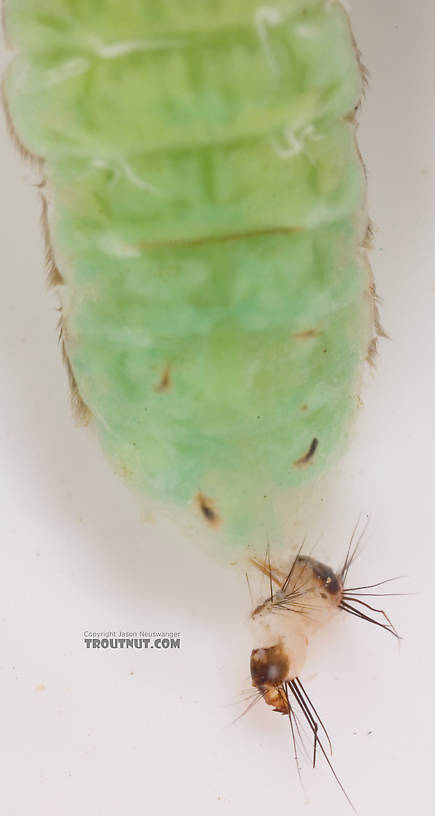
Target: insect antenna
[(298, 728), (353, 595), (313, 725), (360, 614), (249, 589), (289, 602), (275, 576), (352, 552), (379, 583), (268, 571), (310, 703), (312, 722), (290, 573), (292, 728), (348, 560)]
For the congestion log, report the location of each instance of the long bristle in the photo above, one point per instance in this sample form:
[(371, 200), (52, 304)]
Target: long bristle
[(307, 709), (347, 607)]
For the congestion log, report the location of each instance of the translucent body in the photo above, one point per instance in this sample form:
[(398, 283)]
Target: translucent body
[(206, 212)]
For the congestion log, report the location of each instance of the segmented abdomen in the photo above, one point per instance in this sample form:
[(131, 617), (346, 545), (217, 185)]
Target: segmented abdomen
[(206, 215)]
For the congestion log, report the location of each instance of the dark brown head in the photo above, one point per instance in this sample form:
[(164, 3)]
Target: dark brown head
[(269, 671), (326, 577)]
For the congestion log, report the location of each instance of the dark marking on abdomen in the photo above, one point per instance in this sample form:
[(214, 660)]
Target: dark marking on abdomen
[(208, 510), (307, 457)]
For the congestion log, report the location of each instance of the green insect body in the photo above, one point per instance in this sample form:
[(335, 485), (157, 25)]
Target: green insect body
[(206, 223)]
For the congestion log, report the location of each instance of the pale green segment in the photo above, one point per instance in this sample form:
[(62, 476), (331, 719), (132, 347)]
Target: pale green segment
[(208, 216), (215, 85), (32, 24), (125, 206)]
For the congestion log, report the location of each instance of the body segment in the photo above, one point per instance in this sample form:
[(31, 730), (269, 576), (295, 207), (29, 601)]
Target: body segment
[(206, 209)]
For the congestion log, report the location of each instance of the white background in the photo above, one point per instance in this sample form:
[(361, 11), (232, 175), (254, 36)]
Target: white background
[(105, 733)]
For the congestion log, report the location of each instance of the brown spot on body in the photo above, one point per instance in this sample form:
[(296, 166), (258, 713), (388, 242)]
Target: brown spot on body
[(307, 335), (269, 666), (165, 381), (269, 670), (208, 510), (306, 459)]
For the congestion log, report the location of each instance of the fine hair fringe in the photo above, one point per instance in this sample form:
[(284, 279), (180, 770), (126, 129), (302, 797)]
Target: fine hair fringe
[(81, 412)]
